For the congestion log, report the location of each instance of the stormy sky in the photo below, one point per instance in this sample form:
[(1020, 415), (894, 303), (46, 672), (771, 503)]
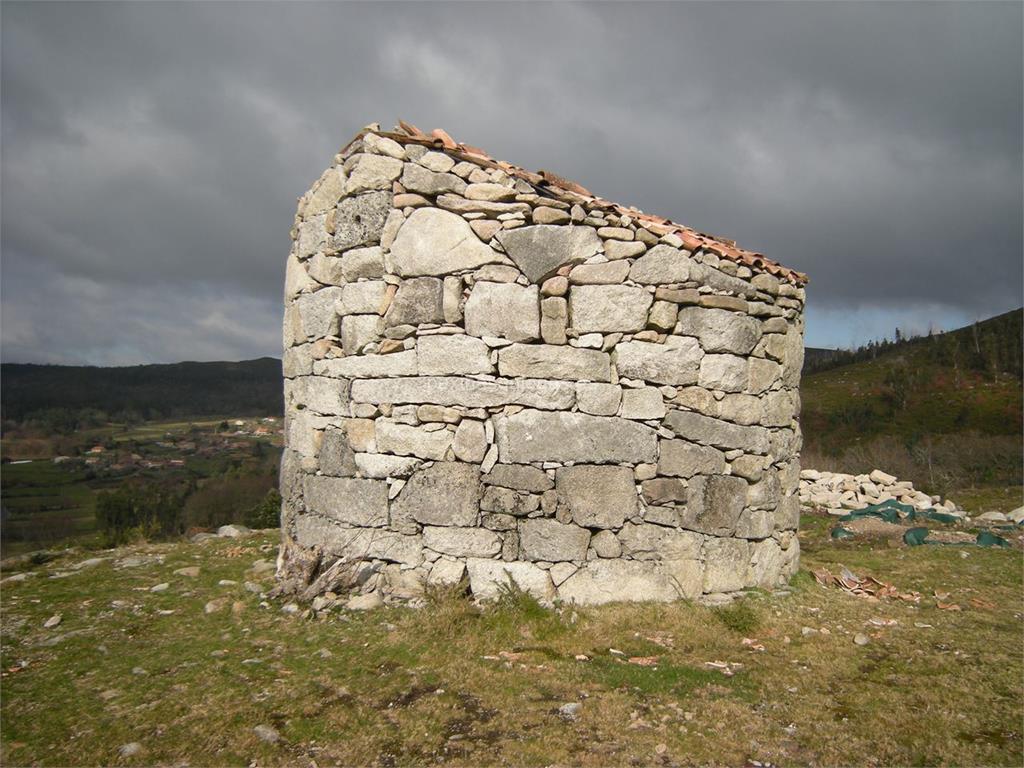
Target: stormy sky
[(152, 154)]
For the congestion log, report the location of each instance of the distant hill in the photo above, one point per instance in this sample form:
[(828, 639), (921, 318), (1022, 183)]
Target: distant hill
[(944, 411), (964, 380), (61, 392)]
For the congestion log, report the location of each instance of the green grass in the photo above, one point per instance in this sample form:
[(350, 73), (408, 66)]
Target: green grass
[(466, 685)]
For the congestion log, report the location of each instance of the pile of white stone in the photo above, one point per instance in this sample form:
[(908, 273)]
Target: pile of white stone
[(840, 494)]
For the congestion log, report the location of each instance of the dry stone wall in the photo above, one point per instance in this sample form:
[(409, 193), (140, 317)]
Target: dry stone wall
[(488, 379)]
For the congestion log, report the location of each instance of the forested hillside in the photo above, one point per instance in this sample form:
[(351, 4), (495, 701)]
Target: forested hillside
[(64, 398)]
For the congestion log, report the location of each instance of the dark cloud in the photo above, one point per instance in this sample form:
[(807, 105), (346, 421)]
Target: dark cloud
[(152, 153)]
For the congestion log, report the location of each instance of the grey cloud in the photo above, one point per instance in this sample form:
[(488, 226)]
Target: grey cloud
[(152, 153)]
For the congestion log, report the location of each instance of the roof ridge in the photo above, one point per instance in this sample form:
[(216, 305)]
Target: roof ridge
[(693, 240)]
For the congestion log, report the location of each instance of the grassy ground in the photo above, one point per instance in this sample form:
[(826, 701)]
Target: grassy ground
[(461, 685)]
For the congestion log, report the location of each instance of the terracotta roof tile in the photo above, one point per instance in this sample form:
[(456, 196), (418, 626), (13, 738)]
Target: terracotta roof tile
[(570, 191)]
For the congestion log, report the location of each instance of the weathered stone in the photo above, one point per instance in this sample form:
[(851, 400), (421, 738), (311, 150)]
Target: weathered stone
[(406, 440), (520, 477), (296, 279), (766, 565), (709, 431), (740, 409), (320, 394), (383, 146), (419, 300), (643, 403), (598, 399), (452, 390), (608, 273), (725, 564), (488, 579), (359, 330), (680, 458), (755, 524), (545, 215), (684, 296), (462, 542), (360, 220), (727, 373), (362, 298), (382, 465), (597, 496), (459, 354), (606, 544), (714, 504), (489, 191), (659, 363), (362, 262), (325, 193), (554, 317), (767, 492), (719, 330), (541, 249), (542, 539), (434, 242), (470, 444), (451, 301), (554, 362), (348, 500), (362, 434), (611, 581), (734, 303), (538, 436), (462, 205), (506, 501), (748, 467), (617, 249), (606, 308), (762, 375), (326, 269), (780, 408), (555, 286), (655, 542), (793, 359), (318, 313), (358, 543), (336, 458), (445, 493), (502, 309), (446, 573), (439, 162), (663, 316), (662, 264), (787, 514), (368, 366), (372, 172), (664, 490), (416, 178)]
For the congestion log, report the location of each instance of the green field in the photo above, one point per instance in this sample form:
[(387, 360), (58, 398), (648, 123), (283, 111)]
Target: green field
[(46, 503), (188, 672)]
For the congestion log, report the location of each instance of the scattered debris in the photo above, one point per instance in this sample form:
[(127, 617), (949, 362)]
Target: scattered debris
[(727, 668), (644, 661), (861, 639), (570, 711), (867, 586), (267, 733), (53, 621)]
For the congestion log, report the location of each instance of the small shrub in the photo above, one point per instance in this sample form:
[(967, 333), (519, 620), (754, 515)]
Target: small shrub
[(739, 616), (267, 513)]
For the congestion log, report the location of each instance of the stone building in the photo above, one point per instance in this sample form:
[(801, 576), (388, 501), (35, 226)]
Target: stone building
[(492, 374)]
